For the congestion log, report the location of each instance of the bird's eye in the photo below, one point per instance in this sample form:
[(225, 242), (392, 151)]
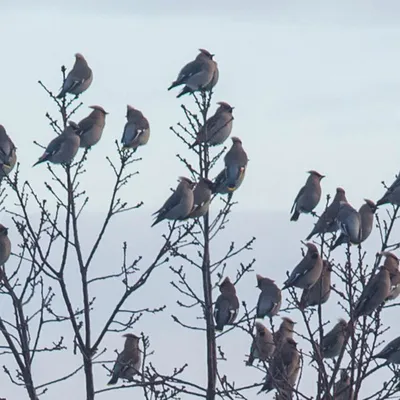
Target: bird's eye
[(314, 256)]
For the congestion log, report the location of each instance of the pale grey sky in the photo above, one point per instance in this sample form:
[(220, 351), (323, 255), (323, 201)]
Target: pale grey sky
[(314, 85)]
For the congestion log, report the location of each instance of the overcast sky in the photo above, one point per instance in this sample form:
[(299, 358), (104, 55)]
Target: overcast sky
[(314, 86)]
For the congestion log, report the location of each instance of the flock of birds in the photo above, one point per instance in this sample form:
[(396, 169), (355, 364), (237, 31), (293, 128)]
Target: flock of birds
[(192, 200)]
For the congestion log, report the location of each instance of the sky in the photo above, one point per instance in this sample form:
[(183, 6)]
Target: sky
[(314, 86)]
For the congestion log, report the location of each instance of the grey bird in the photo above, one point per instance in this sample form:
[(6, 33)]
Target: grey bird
[(197, 74), (201, 198), (206, 88), (392, 194), (270, 298), (262, 346), (333, 341), (392, 264), (349, 221), (5, 245), (227, 305), (391, 352), (306, 274), (136, 130), (63, 148), (8, 155), (367, 211), (91, 128), (235, 163), (78, 79), (284, 368), (128, 361), (308, 197), (179, 205), (321, 291), (374, 293), (327, 221), (285, 330), (224, 186), (342, 389), (217, 128)]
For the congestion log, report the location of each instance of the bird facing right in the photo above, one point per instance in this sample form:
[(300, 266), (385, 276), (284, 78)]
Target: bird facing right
[(136, 130), (270, 298), (5, 245), (8, 155), (91, 128), (227, 305), (128, 361), (201, 198), (235, 163)]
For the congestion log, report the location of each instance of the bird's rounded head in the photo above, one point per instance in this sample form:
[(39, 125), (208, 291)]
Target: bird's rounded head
[(340, 190), (288, 321), (260, 327), (371, 204), (235, 139), (73, 125), (311, 247), (3, 230), (79, 56)]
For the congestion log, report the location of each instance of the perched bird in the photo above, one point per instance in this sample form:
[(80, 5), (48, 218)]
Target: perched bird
[(342, 389), (78, 79), (136, 130), (308, 271), (91, 128), (226, 306), (128, 361), (392, 194), (63, 148), (392, 264), (321, 291), (285, 331), (270, 299), (263, 345), (235, 163), (221, 182), (197, 74), (8, 155), (349, 221), (391, 352), (308, 197), (327, 221), (367, 211), (333, 341), (374, 293), (179, 205), (217, 128), (5, 245), (202, 198), (284, 369)]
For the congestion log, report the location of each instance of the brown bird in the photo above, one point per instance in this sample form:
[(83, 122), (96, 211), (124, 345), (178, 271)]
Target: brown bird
[(308, 197), (202, 198), (391, 352), (342, 389), (270, 299), (5, 245), (367, 211), (321, 291), (308, 271), (392, 264), (128, 361), (333, 341), (285, 330), (263, 345), (227, 305)]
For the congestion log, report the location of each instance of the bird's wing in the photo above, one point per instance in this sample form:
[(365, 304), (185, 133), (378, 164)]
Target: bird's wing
[(301, 191)]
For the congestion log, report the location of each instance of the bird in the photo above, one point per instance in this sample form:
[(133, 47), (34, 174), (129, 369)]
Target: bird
[(201, 198), (78, 79), (321, 291), (374, 293), (8, 155), (128, 361), (349, 220), (179, 205), (270, 298), (306, 274), (263, 345), (308, 197), (391, 352), (227, 305), (334, 340), (5, 245), (91, 128), (284, 369), (285, 330), (327, 221), (392, 194), (221, 182), (63, 148), (367, 211), (235, 163), (217, 128), (208, 87), (342, 389), (197, 74), (137, 129), (392, 264)]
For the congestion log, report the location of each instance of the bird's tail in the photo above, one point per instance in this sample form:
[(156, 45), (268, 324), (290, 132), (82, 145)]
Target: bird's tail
[(381, 202), (174, 84), (61, 94), (185, 90), (295, 216), (250, 360), (113, 380), (38, 162)]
